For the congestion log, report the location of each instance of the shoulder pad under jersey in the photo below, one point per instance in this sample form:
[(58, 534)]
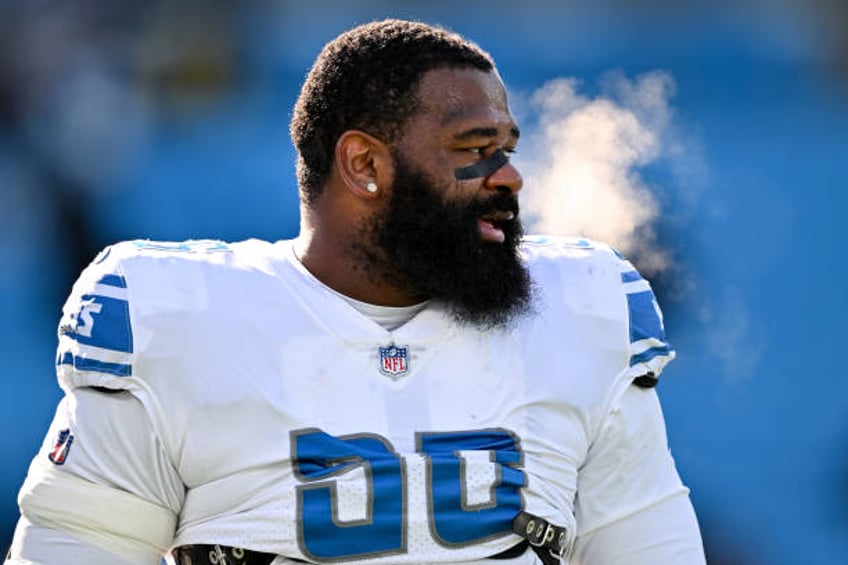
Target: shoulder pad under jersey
[(648, 349), (97, 334)]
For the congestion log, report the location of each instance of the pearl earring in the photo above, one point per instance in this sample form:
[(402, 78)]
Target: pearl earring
[(371, 187)]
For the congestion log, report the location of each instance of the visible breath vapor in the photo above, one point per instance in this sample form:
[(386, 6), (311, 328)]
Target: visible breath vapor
[(581, 162), (582, 157)]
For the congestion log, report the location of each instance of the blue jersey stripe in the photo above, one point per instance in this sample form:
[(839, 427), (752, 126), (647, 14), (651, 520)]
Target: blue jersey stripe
[(86, 364), (113, 280), (102, 322), (649, 354), (630, 276), (645, 322)]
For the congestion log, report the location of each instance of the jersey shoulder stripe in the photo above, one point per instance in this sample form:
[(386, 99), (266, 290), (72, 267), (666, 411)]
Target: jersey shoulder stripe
[(95, 333), (650, 351)]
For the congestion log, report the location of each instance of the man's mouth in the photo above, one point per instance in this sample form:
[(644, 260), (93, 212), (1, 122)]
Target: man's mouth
[(491, 226)]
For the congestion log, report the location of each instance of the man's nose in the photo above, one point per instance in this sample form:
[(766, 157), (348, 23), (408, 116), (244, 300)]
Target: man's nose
[(507, 176)]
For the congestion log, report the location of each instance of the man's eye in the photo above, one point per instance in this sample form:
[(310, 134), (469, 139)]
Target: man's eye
[(485, 150)]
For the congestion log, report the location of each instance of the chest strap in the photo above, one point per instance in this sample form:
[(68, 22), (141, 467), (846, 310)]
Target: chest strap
[(551, 543)]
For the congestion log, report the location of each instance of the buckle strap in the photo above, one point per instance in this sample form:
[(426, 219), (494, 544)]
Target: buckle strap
[(550, 542), (203, 554)]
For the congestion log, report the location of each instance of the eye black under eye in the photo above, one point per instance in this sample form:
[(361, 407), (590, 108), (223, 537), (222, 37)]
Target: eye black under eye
[(483, 167)]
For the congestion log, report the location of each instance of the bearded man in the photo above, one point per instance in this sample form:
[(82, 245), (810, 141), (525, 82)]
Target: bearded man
[(410, 380)]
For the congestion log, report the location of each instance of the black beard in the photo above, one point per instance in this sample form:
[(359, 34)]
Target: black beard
[(434, 249)]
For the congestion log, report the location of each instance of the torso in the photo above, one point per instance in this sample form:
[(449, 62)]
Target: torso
[(294, 436)]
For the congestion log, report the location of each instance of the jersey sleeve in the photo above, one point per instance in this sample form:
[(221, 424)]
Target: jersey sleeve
[(96, 346), (103, 480), (649, 349)]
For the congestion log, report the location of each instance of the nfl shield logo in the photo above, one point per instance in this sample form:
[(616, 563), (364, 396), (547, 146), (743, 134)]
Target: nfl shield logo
[(59, 453), (394, 360)]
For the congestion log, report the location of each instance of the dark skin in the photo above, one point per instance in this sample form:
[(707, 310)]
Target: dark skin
[(464, 118)]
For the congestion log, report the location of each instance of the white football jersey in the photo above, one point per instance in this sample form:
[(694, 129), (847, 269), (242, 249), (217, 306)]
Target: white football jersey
[(302, 428)]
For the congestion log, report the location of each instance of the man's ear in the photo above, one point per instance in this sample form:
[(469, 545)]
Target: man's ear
[(364, 164)]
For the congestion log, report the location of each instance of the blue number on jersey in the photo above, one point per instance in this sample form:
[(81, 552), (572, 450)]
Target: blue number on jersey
[(457, 523), (318, 457)]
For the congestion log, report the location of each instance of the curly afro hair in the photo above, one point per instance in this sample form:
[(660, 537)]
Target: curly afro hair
[(367, 79)]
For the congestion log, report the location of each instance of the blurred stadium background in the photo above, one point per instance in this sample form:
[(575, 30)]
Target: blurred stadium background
[(168, 120)]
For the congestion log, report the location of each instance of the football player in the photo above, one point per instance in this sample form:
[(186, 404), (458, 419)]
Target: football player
[(411, 380)]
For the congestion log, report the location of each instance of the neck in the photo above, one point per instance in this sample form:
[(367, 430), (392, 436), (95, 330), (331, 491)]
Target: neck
[(326, 254)]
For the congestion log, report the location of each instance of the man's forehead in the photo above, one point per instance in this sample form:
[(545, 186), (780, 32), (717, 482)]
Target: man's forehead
[(455, 96)]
